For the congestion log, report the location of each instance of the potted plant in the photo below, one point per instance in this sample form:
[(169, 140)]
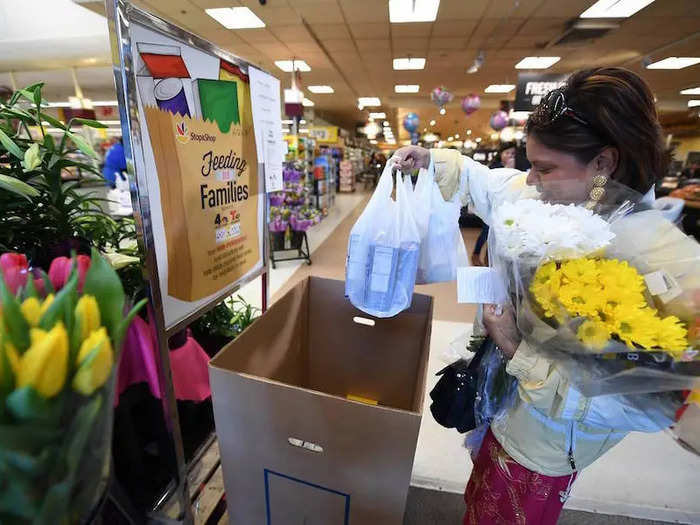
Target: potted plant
[(279, 221)]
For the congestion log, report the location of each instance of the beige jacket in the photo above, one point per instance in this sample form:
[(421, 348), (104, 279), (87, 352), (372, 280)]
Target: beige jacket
[(552, 429)]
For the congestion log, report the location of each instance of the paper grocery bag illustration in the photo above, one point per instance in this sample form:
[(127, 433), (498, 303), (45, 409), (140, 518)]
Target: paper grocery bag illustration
[(208, 190)]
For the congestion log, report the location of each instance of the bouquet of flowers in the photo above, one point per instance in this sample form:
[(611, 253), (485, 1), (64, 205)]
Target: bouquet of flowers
[(304, 218), (60, 336), (611, 296), (279, 218)]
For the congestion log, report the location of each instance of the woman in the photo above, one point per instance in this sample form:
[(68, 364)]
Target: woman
[(602, 125)]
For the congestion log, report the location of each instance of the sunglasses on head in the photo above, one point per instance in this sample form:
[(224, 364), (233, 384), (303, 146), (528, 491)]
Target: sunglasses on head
[(553, 106)]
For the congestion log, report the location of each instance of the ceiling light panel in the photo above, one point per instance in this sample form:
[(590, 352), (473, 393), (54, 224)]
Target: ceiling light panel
[(286, 65), (500, 88), (235, 17), (615, 8), (674, 63), (537, 62), (321, 89), (406, 88), (401, 64), (689, 91), (401, 11), (369, 101)]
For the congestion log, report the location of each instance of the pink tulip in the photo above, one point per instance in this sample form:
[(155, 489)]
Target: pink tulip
[(61, 267), (14, 270)]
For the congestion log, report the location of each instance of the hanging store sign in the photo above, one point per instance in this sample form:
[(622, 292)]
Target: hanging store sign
[(533, 86)]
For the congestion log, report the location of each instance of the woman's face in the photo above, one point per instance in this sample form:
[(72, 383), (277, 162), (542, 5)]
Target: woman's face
[(508, 157), (559, 176)]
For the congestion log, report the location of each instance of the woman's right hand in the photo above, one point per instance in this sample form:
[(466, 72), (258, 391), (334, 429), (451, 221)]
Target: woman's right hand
[(410, 158)]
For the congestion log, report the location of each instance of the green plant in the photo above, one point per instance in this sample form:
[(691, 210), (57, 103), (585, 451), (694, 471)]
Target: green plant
[(227, 319), (39, 211)]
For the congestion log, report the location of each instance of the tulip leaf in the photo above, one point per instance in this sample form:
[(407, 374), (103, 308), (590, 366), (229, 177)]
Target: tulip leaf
[(102, 282), (30, 289), (26, 404), (30, 438), (15, 325), (55, 503), (61, 309), (16, 497), (80, 429), (124, 325)]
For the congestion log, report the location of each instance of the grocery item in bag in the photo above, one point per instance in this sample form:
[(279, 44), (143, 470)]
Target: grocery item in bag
[(442, 248), (383, 251)]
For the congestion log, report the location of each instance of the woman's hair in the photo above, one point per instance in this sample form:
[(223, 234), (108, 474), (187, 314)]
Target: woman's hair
[(619, 109)]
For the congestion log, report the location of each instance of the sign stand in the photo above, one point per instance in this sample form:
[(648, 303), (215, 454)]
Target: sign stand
[(123, 18)]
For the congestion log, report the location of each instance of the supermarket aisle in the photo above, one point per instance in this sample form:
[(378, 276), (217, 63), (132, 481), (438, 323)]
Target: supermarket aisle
[(647, 476)]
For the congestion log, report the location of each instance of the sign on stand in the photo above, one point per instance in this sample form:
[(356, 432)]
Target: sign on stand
[(191, 127)]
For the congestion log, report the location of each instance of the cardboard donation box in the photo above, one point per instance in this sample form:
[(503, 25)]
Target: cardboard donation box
[(318, 409)]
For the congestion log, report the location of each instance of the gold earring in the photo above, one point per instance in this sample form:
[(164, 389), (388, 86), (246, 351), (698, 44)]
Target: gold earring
[(597, 191)]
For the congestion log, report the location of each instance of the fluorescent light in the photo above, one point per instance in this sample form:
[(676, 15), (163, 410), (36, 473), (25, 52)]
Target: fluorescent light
[(307, 103), (377, 115), (369, 101), (285, 130), (477, 140), (235, 17), (302, 121), (105, 103), (614, 8), (469, 132), (392, 141), (450, 138), (321, 89), (287, 122), (303, 130), (693, 103), (674, 63), (406, 88), (373, 141), (432, 122), (286, 65), (386, 123), (499, 88), (409, 63), (456, 135), (59, 104), (691, 91), (401, 11), (537, 62)]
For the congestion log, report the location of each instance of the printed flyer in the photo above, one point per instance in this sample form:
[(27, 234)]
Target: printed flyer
[(202, 170)]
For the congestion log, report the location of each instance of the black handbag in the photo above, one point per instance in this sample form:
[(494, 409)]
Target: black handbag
[(455, 394)]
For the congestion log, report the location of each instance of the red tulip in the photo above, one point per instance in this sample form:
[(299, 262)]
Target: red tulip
[(14, 270), (61, 267)]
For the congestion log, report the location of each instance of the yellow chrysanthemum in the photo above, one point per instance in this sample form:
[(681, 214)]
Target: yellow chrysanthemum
[(672, 336), (634, 325), (581, 299), (594, 334), (580, 271), (620, 275)]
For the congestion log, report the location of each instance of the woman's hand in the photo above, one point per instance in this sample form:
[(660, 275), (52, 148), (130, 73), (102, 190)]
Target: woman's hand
[(410, 158), (500, 324)]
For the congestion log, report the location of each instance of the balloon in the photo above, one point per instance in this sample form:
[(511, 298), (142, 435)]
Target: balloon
[(440, 96), (499, 120), (471, 103), (411, 122)]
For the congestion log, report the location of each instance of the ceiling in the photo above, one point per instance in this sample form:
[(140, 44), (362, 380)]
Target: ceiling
[(349, 45)]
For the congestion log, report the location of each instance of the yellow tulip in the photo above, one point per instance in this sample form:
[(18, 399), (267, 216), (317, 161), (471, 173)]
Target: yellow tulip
[(31, 310), (95, 361), (12, 358), (45, 364), (47, 302), (87, 312)]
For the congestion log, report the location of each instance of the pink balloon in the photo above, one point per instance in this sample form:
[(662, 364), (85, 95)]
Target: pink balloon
[(499, 120), (440, 96), (471, 103)]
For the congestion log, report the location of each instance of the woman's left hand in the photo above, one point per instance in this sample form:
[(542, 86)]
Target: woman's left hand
[(501, 326)]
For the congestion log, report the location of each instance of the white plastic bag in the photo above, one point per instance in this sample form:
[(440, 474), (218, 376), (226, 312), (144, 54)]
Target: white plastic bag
[(442, 248), (383, 249), (419, 197)]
